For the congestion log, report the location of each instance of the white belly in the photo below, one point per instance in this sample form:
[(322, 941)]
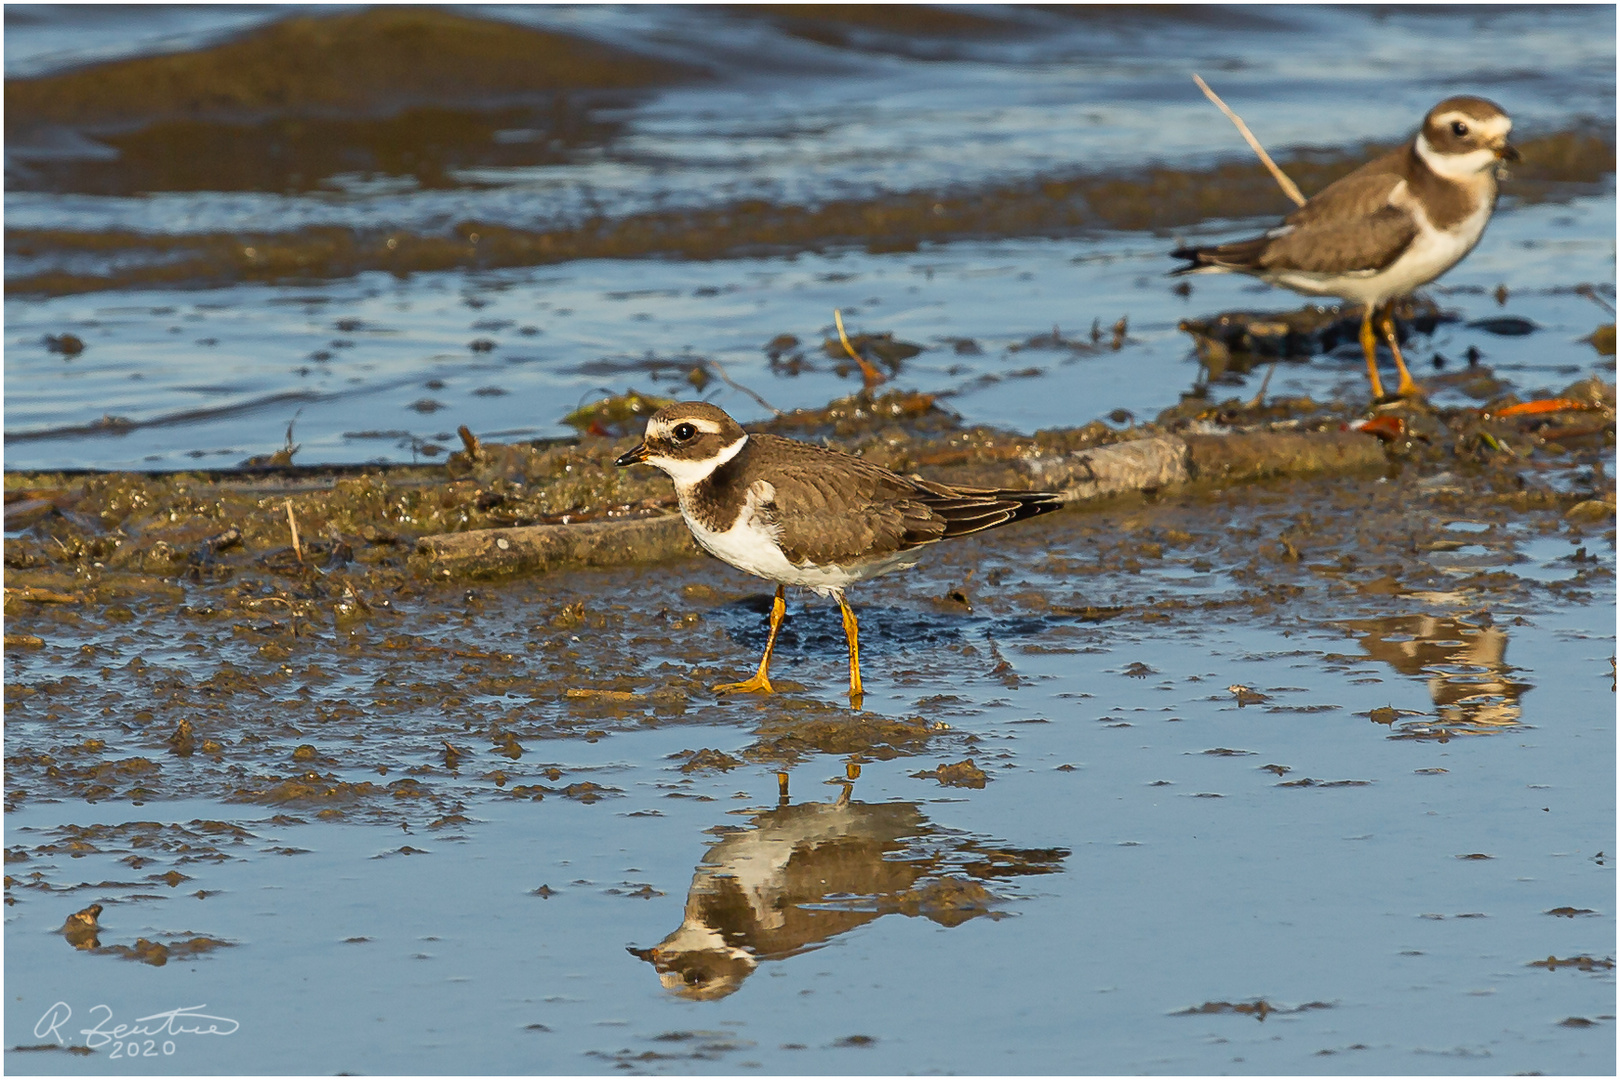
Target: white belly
[(1431, 253), (750, 545)]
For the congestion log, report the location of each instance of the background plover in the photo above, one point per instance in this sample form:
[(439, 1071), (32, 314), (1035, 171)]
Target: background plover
[(1394, 224)]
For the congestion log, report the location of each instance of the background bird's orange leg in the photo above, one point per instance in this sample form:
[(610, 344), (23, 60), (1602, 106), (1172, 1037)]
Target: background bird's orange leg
[(761, 682), (852, 632), (1408, 387), (1369, 345)]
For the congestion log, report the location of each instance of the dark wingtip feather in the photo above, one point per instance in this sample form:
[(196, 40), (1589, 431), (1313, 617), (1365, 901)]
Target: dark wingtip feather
[(1034, 503), (1191, 255), (971, 510), (1242, 255)]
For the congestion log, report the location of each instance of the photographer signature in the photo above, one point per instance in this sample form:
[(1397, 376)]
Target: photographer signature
[(140, 1038)]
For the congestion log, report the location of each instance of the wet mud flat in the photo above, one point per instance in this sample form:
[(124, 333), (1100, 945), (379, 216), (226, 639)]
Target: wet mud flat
[(1304, 773)]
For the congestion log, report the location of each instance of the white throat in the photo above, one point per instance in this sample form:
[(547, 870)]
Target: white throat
[(1457, 167), (688, 474)]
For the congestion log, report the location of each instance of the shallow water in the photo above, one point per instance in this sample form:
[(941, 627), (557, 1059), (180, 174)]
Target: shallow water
[(372, 369)]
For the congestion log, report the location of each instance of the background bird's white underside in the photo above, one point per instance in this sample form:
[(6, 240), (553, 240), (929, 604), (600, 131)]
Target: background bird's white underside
[(1431, 253)]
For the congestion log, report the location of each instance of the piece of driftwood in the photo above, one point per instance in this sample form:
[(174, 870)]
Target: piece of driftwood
[(1116, 469), (1141, 465), (1255, 455)]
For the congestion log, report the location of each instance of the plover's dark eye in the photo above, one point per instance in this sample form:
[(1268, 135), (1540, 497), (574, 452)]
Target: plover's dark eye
[(1458, 128), (684, 432)]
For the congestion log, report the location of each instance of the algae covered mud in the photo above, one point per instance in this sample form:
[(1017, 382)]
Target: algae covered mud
[(1295, 753)]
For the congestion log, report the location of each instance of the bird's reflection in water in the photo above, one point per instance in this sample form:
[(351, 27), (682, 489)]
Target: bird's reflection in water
[(799, 875), (1469, 677)]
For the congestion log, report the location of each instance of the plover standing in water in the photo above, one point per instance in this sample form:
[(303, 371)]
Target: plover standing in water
[(1394, 224), (798, 514)]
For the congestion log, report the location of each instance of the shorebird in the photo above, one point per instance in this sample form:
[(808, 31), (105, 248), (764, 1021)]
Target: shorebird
[(1396, 223), (804, 515)]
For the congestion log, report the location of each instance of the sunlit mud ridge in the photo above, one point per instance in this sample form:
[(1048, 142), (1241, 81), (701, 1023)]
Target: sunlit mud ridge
[(367, 519), (1556, 166), (374, 62)]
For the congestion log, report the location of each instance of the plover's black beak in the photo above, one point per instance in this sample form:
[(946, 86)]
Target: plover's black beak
[(633, 457), (1507, 152)]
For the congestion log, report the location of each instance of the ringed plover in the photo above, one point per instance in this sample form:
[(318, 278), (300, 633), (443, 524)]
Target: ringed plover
[(799, 514), (1394, 224)]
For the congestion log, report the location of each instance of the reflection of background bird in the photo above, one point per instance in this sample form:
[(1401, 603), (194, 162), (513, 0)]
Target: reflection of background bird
[(1477, 693), (1394, 224), (802, 874)]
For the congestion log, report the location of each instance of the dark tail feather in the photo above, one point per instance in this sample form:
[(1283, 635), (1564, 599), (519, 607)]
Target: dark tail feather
[(1239, 255), (973, 510)]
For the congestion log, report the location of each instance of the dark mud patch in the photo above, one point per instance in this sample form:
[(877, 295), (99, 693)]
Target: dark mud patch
[(961, 774), (706, 760), (796, 730), (1259, 1008), (159, 953), (1579, 963), (376, 61)]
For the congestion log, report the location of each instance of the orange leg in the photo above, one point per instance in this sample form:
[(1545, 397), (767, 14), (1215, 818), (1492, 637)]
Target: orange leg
[(1369, 345), (852, 633), (761, 682), (1408, 387)]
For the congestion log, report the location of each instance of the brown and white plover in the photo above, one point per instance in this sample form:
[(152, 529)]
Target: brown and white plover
[(805, 515), (1394, 224)]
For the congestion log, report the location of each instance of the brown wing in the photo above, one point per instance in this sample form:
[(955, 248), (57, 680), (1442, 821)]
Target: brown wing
[(1348, 226), (833, 507)]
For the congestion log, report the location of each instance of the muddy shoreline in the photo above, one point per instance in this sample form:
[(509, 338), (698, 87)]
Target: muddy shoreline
[(1557, 166), (119, 558)]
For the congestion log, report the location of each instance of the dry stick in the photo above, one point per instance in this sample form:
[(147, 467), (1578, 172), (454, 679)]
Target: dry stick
[(1288, 186), (1265, 382), (869, 374), (720, 371), (292, 523)]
